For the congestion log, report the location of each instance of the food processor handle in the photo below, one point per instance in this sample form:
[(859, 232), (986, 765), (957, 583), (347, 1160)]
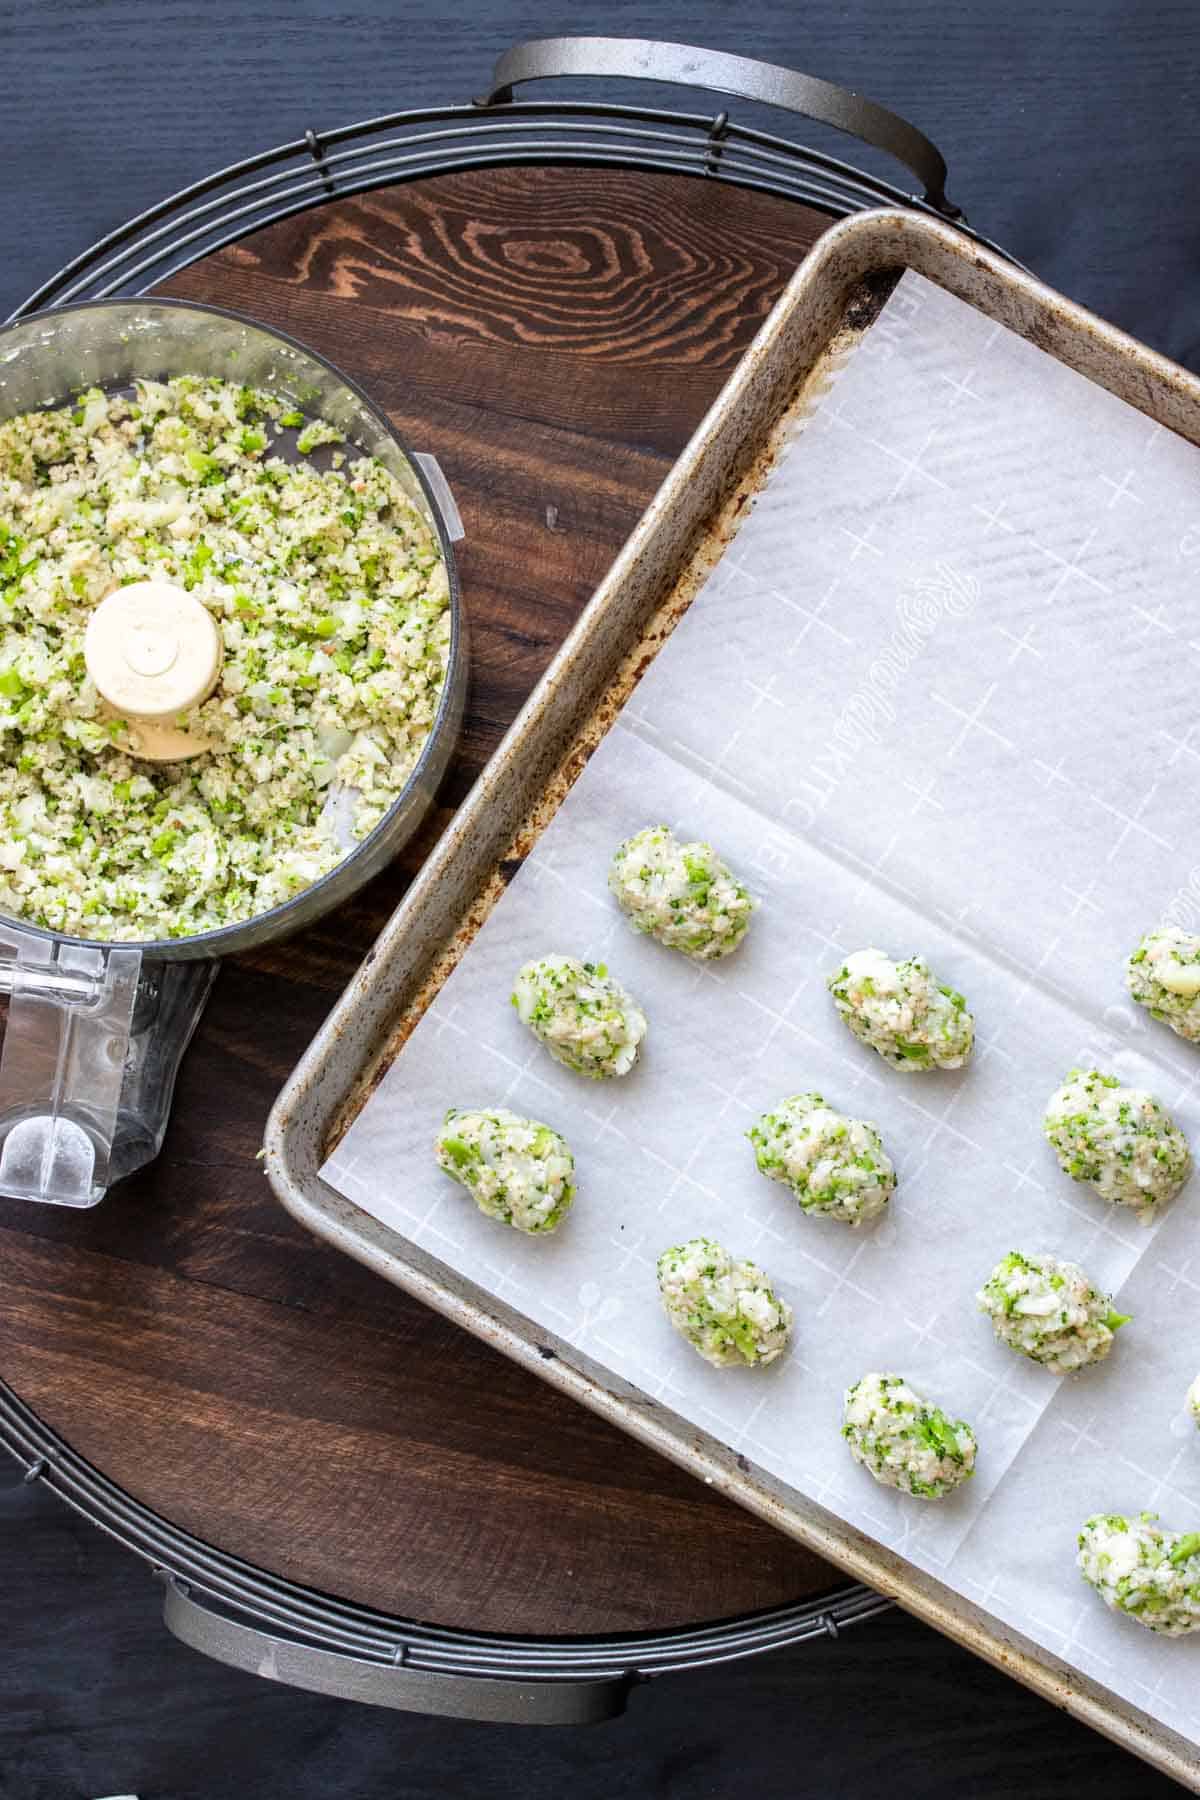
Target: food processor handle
[(92, 1046)]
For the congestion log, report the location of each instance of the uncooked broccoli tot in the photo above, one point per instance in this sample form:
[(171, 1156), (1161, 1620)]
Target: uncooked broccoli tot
[(722, 1304), (913, 1021), (681, 894), (1193, 1400), (1138, 1568), (1163, 975), (1049, 1311), (1119, 1140), (519, 1171), (835, 1166), (586, 1020), (903, 1441)]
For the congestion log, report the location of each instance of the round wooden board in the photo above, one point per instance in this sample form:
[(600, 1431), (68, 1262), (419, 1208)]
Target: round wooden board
[(554, 336)]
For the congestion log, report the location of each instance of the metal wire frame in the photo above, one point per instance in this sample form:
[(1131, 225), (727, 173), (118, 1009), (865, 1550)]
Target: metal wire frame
[(239, 1589), (354, 159), (207, 216)]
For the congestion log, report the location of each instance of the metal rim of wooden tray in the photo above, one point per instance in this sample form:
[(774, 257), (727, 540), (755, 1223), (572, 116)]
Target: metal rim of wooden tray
[(222, 1605), (338, 1647)]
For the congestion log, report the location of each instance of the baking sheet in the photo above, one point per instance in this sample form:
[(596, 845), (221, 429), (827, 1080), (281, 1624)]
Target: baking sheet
[(937, 697)]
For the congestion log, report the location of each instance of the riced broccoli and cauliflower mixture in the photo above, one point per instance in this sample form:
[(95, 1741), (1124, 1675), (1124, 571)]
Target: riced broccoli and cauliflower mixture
[(331, 597)]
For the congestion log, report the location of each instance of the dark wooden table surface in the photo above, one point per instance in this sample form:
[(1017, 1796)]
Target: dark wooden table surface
[(553, 336)]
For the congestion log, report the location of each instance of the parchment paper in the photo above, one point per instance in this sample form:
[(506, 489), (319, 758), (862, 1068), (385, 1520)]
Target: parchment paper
[(939, 697)]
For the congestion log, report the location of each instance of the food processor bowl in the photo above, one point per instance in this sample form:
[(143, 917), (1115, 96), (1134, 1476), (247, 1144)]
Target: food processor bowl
[(96, 1031)]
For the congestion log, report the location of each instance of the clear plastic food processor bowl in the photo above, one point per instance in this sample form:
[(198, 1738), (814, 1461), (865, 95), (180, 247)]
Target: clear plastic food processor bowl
[(95, 1031)]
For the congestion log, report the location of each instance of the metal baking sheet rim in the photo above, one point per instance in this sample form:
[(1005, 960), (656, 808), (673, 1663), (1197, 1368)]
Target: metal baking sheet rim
[(632, 611)]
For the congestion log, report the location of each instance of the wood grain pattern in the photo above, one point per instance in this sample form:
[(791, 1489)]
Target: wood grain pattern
[(554, 336)]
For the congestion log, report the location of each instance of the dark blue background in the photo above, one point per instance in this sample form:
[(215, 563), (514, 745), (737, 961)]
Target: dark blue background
[(1070, 130)]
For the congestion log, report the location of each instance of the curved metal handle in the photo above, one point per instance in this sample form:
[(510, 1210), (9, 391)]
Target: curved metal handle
[(642, 59), (558, 1702)]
